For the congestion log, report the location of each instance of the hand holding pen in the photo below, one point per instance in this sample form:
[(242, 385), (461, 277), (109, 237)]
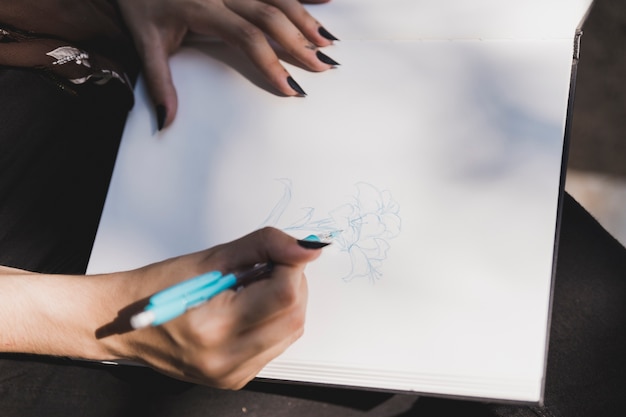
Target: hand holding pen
[(225, 342), (177, 299)]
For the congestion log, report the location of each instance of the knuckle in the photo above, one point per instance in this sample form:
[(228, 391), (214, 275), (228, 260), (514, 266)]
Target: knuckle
[(232, 382), (297, 325), (287, 297), (216, 370), (268, 13), (236, 386), (293, 322), (249, 34), (268, 233), (292, 295)]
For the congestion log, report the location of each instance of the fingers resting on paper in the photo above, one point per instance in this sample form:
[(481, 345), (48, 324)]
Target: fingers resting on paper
[(158, 28)]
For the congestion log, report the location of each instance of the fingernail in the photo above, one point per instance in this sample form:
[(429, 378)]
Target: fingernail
[(325, 58), (311, 244), (326, 34), (293, 84), (161, 114)]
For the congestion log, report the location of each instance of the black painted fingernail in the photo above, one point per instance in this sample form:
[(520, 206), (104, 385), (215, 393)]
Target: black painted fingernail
[(325, 58), (312, 244), (161, 114), (293, 84), (326, 34)]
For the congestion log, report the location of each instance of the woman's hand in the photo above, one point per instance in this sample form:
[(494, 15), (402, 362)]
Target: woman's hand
[(223, 343), (158, 28)]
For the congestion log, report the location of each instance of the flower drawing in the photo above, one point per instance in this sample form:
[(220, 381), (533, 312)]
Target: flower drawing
[(366, 224)]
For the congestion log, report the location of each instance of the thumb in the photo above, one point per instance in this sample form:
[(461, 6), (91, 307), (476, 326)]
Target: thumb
[(154, 56)]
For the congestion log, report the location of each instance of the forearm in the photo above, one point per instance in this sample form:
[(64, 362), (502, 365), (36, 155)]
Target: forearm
[(223, 343), (84, 316), (58, 314)]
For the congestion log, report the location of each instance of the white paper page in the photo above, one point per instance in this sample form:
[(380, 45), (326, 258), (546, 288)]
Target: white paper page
[(439, 160), (451, 19)]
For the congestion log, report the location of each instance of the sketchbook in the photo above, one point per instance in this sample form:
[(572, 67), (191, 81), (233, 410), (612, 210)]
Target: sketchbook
[(436, 148)]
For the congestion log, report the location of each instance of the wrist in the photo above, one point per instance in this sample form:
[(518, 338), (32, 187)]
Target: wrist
[(58, 314), (128, 294)]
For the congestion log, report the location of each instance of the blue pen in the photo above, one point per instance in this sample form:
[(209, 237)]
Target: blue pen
[(186, 287), (176, 300)]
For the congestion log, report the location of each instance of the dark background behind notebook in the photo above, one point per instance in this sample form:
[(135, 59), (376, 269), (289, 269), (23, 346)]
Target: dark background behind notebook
[(597, 159)]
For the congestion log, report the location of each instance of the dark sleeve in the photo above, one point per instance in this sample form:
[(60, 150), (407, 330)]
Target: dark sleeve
[(57, 154)]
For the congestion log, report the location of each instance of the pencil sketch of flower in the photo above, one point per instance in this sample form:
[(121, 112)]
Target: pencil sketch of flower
[(367, 223)]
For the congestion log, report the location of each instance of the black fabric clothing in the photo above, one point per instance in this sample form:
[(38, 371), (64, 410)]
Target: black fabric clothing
[(56, 156), (57, 152)]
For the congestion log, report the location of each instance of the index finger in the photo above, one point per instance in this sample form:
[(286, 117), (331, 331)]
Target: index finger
[(267, 244)]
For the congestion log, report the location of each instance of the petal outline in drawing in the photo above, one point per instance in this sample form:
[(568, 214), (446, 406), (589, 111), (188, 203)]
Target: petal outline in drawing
[(366, 223)]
